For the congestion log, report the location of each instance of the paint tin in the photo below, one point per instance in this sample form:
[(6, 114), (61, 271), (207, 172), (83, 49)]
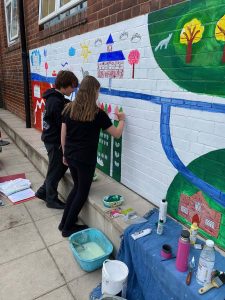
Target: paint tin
[(166, 251)]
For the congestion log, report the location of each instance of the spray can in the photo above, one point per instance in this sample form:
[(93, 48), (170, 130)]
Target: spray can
[(163, 210), (183, 251), (193, 233)]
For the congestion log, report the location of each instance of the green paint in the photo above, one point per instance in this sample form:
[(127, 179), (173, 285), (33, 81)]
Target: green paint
[(117, 150), (205, 73), (210, 168), (104, 152)]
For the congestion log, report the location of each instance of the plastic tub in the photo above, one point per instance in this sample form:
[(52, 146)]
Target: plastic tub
[(86, 236), (113, 200)]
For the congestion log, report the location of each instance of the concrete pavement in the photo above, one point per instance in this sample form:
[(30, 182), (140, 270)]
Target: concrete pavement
[(35, 260)]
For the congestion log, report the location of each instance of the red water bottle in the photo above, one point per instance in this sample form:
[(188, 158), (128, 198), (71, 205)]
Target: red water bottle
[(183, 251)]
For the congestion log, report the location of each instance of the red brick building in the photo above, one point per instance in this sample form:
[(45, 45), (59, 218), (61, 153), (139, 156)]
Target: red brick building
[(72, 18)]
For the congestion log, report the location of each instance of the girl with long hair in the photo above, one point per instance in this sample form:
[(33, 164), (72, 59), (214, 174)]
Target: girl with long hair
[(82, 122)]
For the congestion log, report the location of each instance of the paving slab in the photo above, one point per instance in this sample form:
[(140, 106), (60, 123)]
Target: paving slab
[(13, 215), (29, 277), (48, 229), (83, 286), (62, 293), (19, 241), (65, 260), (38, 210)]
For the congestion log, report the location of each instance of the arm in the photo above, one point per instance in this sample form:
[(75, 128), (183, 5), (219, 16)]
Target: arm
[(63, 141), (116, 132), (63, 136)]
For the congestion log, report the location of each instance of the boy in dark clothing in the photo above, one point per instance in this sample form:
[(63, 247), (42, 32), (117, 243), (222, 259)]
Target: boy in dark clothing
[(65, 83)]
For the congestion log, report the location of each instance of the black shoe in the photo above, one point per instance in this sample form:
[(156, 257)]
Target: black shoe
[(4, 143), (76, 228), (40, 196), (60, 227), (56, 204)]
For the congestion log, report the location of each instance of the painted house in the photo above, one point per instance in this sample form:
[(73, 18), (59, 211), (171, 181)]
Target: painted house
[(196, 209), (111, 63)]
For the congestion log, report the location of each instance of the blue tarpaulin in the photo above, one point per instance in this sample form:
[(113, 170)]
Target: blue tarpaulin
[(152, 279)]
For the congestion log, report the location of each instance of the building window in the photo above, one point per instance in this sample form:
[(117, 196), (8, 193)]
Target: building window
[(12, 27), (48, 9)]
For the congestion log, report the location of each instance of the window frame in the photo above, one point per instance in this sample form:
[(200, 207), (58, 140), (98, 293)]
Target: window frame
[(57, 11), (11, 39)]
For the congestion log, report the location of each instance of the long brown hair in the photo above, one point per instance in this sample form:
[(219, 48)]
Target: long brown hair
[(84, 107)]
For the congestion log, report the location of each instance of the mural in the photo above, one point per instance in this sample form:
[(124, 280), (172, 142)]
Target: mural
[(193, 58), (191, 202), (166, 70)]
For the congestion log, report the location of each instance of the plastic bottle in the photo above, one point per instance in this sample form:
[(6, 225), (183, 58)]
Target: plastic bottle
[(206, 263), (160, 227), (193, 233), (163, 210), (183, 251)]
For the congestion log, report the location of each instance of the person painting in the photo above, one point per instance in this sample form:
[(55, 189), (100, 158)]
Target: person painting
[(82, 122), (65, 83)]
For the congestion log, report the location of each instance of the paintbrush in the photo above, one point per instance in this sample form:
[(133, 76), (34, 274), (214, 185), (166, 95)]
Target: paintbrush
[(216, 283)]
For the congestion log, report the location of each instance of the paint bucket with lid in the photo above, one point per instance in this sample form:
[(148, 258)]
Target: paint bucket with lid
[(114, 278)]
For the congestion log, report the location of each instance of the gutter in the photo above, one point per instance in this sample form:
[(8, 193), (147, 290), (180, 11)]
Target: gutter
[(24, 63)]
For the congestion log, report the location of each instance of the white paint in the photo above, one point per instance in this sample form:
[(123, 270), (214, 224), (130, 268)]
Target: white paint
[(37, 91)]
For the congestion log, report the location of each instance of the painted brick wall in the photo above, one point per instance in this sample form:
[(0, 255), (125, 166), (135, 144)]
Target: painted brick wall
[(99, 14), (175, 108), (11, 71)]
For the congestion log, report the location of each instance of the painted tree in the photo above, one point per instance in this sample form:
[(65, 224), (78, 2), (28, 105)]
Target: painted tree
[(191, 33), (220, 34), (133, 59)]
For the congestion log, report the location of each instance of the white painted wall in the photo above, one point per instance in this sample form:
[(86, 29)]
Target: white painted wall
[(145, 167)]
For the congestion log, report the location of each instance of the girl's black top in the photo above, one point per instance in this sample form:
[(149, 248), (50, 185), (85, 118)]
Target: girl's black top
[(82, 137)]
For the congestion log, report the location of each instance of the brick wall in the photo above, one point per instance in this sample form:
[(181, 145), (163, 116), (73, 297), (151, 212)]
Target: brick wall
[(11, 71), (99, 14)]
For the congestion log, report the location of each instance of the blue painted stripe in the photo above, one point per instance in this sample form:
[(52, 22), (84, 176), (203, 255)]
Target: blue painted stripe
[(188, 104), (166, 104), (37, 77), (171, 154)]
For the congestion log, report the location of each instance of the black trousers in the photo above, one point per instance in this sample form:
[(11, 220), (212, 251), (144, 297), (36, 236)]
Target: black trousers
[(56, 170), (82, 175)]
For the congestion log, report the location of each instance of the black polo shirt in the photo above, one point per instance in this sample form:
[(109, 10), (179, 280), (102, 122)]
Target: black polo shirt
[(82, 137)]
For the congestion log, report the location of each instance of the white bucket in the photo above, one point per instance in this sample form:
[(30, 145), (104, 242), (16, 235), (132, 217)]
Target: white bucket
[(114, 277)]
